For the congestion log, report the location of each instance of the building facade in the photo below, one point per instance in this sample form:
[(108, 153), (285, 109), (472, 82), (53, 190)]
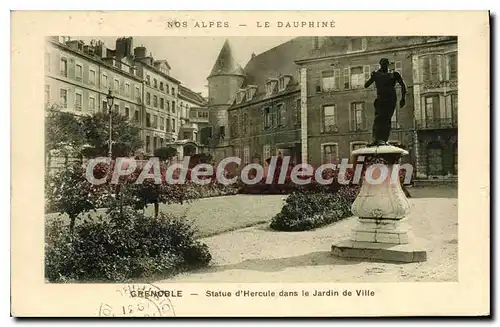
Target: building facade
[(306, 98), (436, 110), (78, 77)]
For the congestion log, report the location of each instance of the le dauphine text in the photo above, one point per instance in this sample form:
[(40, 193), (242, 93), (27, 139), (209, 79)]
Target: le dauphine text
[(259, 24)]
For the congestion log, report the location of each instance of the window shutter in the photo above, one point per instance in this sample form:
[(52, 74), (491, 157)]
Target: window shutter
[(448, 109), (440, 65), (347, 84), (424, 64), (364, 43), (351, 116), (366, 71), (364, 115), (336, 76)]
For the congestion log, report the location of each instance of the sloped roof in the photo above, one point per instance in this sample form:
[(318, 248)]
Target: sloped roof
[(277, 61), (192, 96), (225, 63), (274, 63)]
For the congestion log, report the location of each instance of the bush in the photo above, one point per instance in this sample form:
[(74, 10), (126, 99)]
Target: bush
[(312, 209), (122, 246)]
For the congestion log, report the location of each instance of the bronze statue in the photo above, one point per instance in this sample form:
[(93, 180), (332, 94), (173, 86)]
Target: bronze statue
[(386, 100)]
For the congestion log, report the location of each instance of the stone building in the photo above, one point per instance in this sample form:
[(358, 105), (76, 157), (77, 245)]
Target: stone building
[(224, 81), (435, 93), (340, 110), (193, 114), (161, 120), (78, 77), (306, 98), (259, 103)]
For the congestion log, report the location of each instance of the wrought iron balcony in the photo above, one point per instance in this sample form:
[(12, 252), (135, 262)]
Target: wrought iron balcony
[(436, 123)]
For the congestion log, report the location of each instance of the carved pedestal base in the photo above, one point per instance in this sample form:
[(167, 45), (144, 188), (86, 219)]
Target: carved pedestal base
[(381, 207), (381, 231)]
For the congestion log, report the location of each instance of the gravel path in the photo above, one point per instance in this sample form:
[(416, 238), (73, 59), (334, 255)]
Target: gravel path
[(258, 254)]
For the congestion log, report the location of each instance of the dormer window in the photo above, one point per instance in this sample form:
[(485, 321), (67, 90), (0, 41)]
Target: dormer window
[(283, 82), (271, 86), (240, 95), (251, 90)]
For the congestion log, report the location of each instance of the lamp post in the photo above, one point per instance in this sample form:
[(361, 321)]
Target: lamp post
[(110, 99)]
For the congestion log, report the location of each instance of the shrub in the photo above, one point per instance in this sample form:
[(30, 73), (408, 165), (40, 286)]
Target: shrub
[(306, 210), (121, 246)]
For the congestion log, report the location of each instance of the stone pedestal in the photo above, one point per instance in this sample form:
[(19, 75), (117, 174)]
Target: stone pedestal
[(381, 232)]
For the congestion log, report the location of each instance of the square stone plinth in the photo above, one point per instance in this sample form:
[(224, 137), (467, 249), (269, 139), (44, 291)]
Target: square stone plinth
[(380, 251)]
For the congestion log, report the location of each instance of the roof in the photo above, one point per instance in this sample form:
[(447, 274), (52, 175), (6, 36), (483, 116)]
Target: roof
[(272, 64), (225, 63), (192, 96)]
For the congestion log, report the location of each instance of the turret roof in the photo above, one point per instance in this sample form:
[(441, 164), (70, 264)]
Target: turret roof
[(225, 63)]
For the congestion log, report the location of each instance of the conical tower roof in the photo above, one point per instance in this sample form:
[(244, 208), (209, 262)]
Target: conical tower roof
[(225, 63)]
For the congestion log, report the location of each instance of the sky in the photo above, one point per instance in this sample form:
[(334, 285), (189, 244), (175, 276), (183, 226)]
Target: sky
[(192, 58)]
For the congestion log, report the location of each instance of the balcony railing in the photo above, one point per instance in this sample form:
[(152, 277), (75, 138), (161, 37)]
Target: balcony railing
[(436, 123)]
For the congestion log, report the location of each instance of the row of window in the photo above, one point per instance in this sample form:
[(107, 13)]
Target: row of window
[(154, 142), (106, 83), (438, 67), (274, 117), (356, 44), (357, 118), (161, 123), (330, 151), (198, 114), (353, 77), (162, 104), (123, 89), (91, 103), (160, 86), (277, 116)]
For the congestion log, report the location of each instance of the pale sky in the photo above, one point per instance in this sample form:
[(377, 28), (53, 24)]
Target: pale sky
[(192, 58)]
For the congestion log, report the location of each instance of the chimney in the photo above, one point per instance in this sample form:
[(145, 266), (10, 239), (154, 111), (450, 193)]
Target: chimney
[(140, 52), (120, 47), (253, 55), (129, 46), (100, 49)]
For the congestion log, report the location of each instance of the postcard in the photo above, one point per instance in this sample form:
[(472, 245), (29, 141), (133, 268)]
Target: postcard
[(250, 164)]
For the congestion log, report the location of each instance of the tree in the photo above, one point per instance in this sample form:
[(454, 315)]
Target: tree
[(64, 133), (71, 193), (125, 136)]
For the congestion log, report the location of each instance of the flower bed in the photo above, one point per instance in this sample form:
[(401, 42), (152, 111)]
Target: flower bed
[(312, 209), (120, 246)]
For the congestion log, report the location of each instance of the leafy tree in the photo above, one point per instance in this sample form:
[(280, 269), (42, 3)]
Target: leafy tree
[(63, 129), (125, 136), (71, 193), (64, 133)]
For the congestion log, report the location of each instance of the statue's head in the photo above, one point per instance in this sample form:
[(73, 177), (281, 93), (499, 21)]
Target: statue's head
[(384, 63)]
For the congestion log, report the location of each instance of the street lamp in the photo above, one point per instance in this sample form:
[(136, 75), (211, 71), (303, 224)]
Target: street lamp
[(110, 99)]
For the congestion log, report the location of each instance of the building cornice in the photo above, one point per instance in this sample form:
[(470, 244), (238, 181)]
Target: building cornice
[(95, 60), (365, 53)]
